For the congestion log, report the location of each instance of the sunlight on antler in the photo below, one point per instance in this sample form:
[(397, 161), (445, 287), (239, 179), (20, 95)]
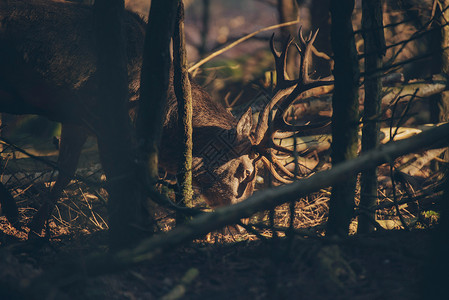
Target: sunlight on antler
[(286, 93)]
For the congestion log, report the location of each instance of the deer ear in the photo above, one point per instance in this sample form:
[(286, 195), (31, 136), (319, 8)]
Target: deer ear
[(245, 124)]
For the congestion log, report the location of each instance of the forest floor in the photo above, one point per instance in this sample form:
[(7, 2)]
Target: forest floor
[(393, 264)]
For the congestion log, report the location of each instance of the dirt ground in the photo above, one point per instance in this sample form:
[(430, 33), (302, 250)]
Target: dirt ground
[(390, 265), (393, 264)]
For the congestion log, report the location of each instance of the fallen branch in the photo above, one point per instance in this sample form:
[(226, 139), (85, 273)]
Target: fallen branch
[(322, 142), (267, 199), (422, 89), (261, 201)]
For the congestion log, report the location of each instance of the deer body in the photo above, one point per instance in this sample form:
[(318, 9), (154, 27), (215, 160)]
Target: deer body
[(48, 63)]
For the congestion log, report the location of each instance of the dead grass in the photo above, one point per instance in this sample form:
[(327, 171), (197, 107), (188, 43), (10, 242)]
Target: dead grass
[(82, 209), (230, 263)]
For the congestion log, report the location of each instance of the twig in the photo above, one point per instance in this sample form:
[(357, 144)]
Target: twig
[(404, 113), (415, 36), (242, 39), (404, 62), (250, 229), (38, 158), (306, 232)]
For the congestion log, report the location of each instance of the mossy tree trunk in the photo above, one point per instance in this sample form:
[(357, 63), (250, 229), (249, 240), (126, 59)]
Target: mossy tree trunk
[(345, 114), (373, 36), (184, 96), (127, 218)]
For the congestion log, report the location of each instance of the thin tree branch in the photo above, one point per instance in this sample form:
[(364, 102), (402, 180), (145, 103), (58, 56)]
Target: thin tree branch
[(239, 41)]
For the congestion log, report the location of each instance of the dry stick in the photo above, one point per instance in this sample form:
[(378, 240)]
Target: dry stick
[(271, 214), (404, 113), (250, 229), (360, 31), (417, 35), (392, 135), (309, 232), (45, 161), (38, 158), (240, 40), (423, 28), (295, 173), (401, 63), (395, 199), (407, 200)]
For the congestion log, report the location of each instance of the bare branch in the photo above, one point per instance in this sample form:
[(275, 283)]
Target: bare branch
[(239, 41)]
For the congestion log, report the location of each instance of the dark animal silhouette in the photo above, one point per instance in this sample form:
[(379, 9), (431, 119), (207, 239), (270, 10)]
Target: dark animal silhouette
[(48, 67)]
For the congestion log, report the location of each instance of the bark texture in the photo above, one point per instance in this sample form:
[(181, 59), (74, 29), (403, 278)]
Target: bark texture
[(442, 109), (288, 11), (320, 19), (183, 93), (345, 114), (127, 218), (155, 80), (373, 36)]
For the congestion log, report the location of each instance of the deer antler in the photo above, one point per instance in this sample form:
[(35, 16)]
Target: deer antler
[(286, 92)]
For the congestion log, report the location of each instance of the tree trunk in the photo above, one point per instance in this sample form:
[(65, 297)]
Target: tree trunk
[(154, 80), (205, 27), (374, 39), (440, 111), (320, 18), (288, 11), (185, 111), (435, 275), (127, 219), (8, 206), (345, 114)]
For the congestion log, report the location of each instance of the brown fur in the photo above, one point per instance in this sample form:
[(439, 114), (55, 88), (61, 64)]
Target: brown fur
[(48, 58)]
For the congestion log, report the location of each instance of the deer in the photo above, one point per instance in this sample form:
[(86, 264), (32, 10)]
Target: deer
[(48, 68)]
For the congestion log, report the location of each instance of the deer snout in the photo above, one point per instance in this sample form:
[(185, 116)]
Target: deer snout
[(244, 171)]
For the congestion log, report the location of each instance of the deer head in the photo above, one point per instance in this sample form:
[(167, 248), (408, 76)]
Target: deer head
[(272, 123), (225, 166), (229, 176)]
